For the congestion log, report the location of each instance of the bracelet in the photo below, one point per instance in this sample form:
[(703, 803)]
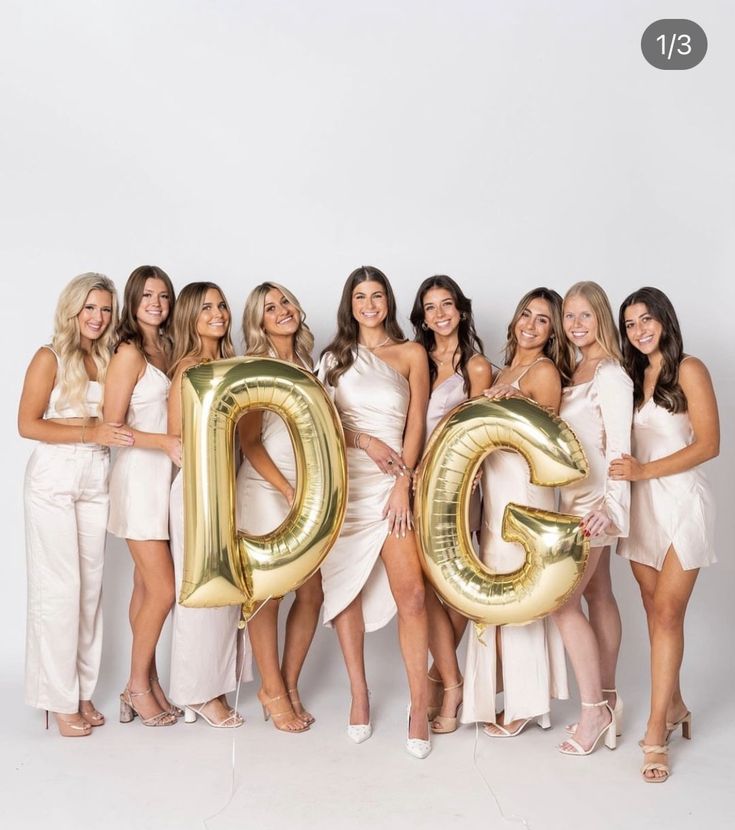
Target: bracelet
[(84, 426), (365, 448), (356, 441)]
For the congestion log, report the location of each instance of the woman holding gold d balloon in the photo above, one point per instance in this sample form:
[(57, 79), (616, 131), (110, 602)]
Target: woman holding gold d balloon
[(273, 326), (205, 645), (442, 319), (537, 365), (675, 430), (598, 406), (380, 384)]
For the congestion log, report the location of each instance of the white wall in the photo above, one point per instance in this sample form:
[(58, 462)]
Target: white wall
[(506, 144)]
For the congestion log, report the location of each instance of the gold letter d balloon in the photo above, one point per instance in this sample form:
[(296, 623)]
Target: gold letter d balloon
[(221, 565), (556, 549)]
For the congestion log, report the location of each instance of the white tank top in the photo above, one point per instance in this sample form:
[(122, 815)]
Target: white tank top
[(90, 407)]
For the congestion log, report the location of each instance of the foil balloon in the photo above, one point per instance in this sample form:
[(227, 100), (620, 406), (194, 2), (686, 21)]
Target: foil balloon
[(223, 566), (556, 549)]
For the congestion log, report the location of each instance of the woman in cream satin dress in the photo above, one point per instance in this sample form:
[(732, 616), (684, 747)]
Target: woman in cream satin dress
[(380, 384), (206, 649), (140, 479), (675, 430), (443, 324), (66, 504), (537, 363), (598, 406), (273, 326)]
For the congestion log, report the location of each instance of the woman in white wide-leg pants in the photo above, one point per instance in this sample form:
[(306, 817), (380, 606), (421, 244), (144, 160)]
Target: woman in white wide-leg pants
[(66, 504)]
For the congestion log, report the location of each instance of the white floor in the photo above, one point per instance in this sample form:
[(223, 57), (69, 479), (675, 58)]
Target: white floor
[(127, 776)]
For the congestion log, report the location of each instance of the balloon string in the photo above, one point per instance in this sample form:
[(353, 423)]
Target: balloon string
[(511, 818), (233, 748)]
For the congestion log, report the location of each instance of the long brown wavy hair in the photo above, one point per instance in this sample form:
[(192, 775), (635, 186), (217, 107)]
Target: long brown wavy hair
[(557, 348), (344, 345), (468, 340), (127, 329), (187, 341), (667, 392)]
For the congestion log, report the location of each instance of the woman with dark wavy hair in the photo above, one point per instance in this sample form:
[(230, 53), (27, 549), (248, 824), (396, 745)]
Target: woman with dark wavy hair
[(675, 430), (380, 384), (538, 363), (140, 478), (443, 324)]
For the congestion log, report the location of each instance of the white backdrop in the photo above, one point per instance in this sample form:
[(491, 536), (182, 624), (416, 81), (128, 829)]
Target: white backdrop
[(507, 144)]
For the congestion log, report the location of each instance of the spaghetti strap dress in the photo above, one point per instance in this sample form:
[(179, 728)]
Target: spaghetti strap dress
[(533, 660), (672, 511), (371, 397)]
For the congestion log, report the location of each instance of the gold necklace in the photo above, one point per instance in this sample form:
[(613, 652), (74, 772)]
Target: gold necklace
[(373, 348), (436, 359)]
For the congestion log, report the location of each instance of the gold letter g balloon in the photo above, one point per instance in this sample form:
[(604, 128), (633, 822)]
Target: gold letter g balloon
[(556, 550), (222, 566)]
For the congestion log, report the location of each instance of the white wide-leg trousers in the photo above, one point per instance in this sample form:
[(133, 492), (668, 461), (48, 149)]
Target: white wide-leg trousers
[(66, 507)]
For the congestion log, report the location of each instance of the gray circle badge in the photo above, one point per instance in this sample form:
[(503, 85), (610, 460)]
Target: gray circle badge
[(674, 44)]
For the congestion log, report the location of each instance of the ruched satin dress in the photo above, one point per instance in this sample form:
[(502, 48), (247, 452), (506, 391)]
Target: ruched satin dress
[(600, 413), (140, 479), (533, 663), (371, 397), (672, 511)]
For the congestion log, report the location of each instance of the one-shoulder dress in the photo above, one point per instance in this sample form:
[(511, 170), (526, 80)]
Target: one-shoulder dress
[(672, 511), (140, 479), (600, 413), (533, 662), (371, 397)]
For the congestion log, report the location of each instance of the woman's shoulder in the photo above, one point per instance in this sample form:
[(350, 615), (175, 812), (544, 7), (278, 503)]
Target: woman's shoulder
[(692, 370), (127, 354), (543, 369), (478, 364), (610, 370)]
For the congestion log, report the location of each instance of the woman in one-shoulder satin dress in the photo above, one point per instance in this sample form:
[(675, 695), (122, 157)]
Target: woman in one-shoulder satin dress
[(675, 430), (443, 324), (380, 385), (273, 325), (140, 478), (206, 649), (598, 406), (537, 363)]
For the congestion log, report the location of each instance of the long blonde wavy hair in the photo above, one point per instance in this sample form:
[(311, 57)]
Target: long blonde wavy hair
[(66, 340), (186, 312), (607, 332), (257, 342)]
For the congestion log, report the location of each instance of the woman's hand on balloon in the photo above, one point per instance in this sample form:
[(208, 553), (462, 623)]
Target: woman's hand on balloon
[(627, 468), (502, 391), (398, 509)]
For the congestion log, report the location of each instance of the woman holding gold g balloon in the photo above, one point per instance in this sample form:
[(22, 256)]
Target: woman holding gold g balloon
[(443, 323), (380, 384), (274, 326), (537, 364), (598, 406), (205, 646), (66, 504), (140, 479), (675, 430)]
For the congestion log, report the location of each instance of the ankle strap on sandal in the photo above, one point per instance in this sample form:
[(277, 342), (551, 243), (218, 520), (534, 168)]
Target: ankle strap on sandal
[(139, 694), (434, 679), (663, 750), (594, 705), (609, 691), (456, 686)]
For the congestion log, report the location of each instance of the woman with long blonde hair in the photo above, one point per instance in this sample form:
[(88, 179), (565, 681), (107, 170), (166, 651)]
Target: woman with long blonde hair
[(66, 503), (533, 670), (274, 326), (140, 479), (598, 405), (206, 648)]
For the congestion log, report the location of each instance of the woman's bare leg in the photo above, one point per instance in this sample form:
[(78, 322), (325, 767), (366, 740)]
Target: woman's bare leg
[(300, 627), (350, 627)]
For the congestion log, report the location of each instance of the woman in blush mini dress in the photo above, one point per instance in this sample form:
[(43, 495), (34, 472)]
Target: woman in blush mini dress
[(537, 364), (206, 648), (273, 326), (443, 324), (140, 479), (380, 384), (598, 406), (675, 430), (66, 503)]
